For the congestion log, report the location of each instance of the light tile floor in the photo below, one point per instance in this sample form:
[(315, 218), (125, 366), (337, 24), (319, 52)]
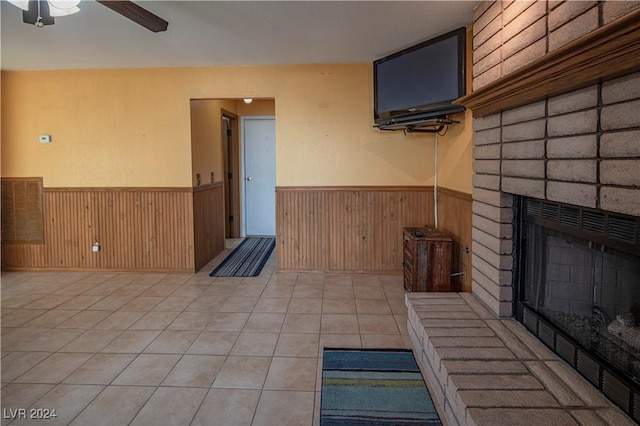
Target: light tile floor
[(179, 349)]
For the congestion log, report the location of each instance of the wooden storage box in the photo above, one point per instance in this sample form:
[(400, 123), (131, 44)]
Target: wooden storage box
[(426, 260)]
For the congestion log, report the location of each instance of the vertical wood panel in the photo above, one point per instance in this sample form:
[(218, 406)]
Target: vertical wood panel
[(208, 223), (347, 228), (454, 217), (137, 228), (359, 229)]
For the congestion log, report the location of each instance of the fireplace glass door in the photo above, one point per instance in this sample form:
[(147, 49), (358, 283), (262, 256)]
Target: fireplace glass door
[(587, 290), (578, 287)]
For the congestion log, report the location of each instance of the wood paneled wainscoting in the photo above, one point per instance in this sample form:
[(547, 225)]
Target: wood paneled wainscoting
[(359, 229), (138, 229), (454, 219), (208, 222)]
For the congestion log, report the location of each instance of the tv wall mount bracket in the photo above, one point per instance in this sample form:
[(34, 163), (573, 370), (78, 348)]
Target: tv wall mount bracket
[(433, 125)]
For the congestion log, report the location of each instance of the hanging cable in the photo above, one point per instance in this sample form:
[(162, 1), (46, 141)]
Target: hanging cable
[(435, 182)]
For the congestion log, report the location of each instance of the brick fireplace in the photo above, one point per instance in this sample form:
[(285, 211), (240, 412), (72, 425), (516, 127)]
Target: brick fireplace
[(580, 148), (555, 120)]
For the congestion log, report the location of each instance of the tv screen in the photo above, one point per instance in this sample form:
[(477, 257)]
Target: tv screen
[(420, 81)]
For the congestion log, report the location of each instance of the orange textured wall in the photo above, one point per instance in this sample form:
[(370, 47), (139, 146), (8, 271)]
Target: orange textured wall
[(133, 127), (257, 107)]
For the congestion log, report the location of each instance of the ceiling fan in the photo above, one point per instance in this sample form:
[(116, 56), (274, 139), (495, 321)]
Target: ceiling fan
[(44, 12)]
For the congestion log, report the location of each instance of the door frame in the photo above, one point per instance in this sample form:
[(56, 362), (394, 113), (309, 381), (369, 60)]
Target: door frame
[(243, 119), (231, 164)]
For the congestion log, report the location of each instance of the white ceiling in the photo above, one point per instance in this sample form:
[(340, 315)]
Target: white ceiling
[(209, 33)]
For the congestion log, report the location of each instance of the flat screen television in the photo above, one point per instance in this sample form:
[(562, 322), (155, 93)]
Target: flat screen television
[(420, 82)]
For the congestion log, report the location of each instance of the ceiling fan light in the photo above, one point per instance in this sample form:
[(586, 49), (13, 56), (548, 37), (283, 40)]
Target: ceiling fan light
[(62, 12), (63, 7), (22, 4), (63, 4)]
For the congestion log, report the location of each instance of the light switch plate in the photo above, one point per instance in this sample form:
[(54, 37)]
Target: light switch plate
[(45, 138)]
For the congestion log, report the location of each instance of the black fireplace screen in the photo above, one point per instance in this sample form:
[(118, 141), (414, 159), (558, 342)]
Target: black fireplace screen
[(579, 292), (589, 292)]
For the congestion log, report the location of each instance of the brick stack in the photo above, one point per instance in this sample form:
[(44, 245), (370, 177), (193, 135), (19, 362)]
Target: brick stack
[(580, 148)]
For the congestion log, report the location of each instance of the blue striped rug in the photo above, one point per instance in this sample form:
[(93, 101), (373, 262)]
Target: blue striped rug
[(247, 259), (374, 387)]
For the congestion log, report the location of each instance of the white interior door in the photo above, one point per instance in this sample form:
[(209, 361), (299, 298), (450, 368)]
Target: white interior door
[(259, 137)]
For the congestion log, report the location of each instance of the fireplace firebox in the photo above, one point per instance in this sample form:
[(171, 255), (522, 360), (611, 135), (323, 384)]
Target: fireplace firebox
[(578, 291)]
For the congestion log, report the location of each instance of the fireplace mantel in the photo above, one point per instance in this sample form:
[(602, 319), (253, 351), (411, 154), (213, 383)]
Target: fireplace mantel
[(606, 53)]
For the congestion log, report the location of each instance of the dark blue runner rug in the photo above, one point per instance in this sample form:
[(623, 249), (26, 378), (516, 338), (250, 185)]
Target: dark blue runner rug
[(247, 259), (374, 387)]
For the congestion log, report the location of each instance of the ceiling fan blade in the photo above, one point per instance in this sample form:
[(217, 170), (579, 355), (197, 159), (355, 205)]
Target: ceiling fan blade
[(137, 14), (31, 16)]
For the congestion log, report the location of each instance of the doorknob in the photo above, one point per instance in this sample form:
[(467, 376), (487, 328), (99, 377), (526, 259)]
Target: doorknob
[(249, 178)]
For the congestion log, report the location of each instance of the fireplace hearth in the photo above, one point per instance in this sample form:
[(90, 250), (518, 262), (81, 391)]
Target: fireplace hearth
[(578, 291)]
